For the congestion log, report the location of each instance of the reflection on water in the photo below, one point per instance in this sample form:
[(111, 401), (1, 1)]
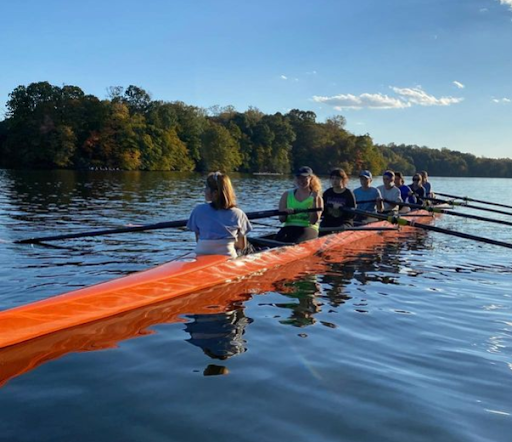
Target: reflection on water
[(304, 293), (412, 334), (220, 335)]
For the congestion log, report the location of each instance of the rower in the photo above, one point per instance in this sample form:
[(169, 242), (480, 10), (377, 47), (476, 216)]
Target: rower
[(302, 226), (405, 191), (426, 184), (390, 193), (219, 225), (368, 198), (335, 198), (417, 189)]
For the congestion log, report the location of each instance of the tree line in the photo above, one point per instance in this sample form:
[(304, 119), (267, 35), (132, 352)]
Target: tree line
[(49, 126)]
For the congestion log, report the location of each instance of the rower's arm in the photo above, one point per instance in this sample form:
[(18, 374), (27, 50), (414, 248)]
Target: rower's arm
[(283, 208), (241, 242), (314, 217), (379, 203)]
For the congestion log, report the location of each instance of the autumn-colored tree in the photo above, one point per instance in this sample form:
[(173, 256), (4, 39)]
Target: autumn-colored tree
[(48, 126)]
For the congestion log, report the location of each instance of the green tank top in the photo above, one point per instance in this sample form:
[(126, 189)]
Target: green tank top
[(299, 219)]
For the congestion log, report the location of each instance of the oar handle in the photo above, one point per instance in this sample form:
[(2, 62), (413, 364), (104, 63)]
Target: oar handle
[(366, 201), (270, 213)]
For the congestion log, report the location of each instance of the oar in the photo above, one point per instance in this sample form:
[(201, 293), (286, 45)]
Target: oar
[(434, 209), (455, 203), (163, 225), (394, 219), (355, 229), (465, 198), (366, 201)]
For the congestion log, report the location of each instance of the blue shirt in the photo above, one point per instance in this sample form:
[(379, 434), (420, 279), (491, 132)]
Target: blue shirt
[(371, 195), (209, 223), (404, 192)]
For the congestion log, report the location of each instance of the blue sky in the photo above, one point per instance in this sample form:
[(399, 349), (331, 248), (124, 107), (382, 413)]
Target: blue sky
[(429, 72)]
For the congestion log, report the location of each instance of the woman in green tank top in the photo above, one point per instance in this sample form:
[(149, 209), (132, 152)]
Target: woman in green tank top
[(301, 226)]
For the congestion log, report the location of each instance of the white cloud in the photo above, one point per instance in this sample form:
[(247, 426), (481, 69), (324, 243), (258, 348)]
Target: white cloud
[(501, 100), (417, 95), (484, 10), (284, 77), (407, 97), (368, 101), (311, 73), (459, 84), (506, 2)]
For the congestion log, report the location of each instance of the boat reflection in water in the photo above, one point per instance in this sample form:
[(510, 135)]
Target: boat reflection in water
[(217, 319)]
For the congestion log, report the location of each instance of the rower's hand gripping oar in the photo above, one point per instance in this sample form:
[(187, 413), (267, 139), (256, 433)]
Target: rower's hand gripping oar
[(395, 219), (465, 198), (434, 209), (146, 227)]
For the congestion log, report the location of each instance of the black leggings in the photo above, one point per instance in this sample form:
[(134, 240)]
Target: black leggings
[(296, 234)]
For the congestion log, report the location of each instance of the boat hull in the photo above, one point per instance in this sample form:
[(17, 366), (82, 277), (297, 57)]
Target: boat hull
[(165, 282)]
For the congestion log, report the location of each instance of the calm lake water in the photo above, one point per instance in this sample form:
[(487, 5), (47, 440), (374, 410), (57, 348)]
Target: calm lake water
[(406, 340)]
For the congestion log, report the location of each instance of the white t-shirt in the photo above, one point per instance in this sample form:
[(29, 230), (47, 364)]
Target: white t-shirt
[(392, 194)]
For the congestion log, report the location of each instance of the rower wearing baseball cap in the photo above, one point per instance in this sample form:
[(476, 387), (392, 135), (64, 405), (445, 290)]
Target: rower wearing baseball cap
[(301, 226), (368, 198), (390, 193)]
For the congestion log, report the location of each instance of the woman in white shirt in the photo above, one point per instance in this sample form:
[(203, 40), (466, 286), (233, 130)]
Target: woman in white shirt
[(390, 193), (219, 225)]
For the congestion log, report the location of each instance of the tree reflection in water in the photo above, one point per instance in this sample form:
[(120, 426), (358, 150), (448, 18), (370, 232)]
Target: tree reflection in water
[(343, 269), (304, 292)]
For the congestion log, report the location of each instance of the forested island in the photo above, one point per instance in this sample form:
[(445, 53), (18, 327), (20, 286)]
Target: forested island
[(49, 126)]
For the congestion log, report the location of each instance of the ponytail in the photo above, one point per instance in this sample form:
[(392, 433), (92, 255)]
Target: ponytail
[(315, 185)]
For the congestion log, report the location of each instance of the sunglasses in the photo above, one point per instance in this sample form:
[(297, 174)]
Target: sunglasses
[(415, 179)]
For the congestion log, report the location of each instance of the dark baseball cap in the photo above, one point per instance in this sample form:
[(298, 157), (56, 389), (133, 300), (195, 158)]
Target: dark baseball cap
[(304, 171)]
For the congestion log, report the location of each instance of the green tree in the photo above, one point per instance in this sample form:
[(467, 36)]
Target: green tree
[(219, 150), (62, 146), (308, 139), (369, 157), (137, 100), (191, 124)]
